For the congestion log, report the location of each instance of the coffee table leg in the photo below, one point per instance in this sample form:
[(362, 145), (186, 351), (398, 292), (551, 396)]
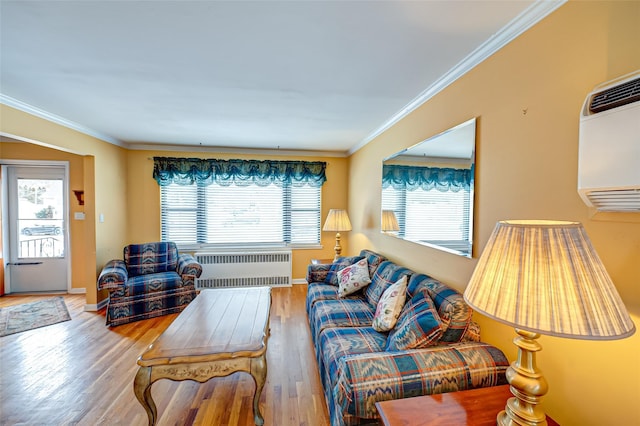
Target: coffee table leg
[(259, 374), (142, 389)]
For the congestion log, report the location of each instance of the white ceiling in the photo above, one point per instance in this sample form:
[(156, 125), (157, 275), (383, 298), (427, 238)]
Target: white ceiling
[(294, 75)]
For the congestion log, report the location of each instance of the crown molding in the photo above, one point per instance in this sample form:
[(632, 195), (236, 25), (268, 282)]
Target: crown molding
[(528, 18), (236, 150), (30, 109)]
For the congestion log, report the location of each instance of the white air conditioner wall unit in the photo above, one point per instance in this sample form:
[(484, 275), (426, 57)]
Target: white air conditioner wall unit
[(609, 147)]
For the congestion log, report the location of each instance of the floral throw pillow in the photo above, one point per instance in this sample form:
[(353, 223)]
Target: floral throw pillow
[(419, 325), (337, 265), (390, 305), (353, 278)]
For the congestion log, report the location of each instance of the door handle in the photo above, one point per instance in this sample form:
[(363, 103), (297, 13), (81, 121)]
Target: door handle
[(24, 263)]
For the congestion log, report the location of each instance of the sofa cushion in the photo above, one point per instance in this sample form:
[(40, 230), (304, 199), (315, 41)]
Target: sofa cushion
[(419, 325), (351, 312), (336, 343), (385, 275), (390, 305), (366, 379), (150, 283), (452, 308), (337, 265), (353, 278), (320, 291), (323, 291)]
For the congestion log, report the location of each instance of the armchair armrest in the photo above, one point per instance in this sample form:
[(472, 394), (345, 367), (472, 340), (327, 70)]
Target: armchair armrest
[(188, 268), (317, 273), (113, 275)]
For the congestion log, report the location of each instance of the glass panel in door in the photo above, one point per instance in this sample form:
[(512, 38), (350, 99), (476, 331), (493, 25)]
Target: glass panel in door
[(37, 224)]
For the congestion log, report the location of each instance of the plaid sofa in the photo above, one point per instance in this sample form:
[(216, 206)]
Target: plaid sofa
[(355, 368), (152, 280)]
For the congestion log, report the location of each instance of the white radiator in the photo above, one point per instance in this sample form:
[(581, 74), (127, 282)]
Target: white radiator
[(244, 269)]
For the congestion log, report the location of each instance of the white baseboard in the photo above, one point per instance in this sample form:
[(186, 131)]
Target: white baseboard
[(298, 281), (95, 307), (78, 291)]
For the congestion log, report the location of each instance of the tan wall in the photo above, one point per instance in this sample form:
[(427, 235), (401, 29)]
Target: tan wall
[(527, 169), (144, 199), (105, 186)]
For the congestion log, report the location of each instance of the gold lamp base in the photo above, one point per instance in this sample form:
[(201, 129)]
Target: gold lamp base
[(337, 248), (527, 385)]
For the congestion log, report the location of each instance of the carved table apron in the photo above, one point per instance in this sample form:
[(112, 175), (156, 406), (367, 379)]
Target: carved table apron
[(221, 332)]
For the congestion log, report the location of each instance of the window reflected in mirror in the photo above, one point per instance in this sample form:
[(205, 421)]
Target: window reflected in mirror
[(429, 187)]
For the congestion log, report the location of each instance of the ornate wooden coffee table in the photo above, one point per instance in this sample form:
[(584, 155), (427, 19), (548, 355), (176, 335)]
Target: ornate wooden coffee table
[(221, 332)]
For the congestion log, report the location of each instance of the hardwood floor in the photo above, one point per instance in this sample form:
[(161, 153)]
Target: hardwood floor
[(81, 372)]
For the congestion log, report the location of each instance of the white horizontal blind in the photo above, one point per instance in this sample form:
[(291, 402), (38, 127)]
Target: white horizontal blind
[(429, 215), (303, 208), (179, 213), (219, 214), (243, 214)]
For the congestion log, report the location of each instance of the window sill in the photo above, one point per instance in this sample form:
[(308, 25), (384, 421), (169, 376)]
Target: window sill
[(245, 247)]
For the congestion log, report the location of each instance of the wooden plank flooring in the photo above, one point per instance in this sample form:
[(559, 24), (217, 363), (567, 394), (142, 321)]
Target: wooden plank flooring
[(81, 372)]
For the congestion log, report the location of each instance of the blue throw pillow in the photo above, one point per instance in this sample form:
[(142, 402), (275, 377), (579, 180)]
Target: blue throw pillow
[(418, 326), (338, 264)]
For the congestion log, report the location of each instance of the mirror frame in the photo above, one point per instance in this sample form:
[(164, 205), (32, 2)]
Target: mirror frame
[(452, 146)]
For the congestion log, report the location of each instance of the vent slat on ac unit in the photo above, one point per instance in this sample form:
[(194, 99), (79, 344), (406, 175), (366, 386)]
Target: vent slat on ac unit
[(623, 94), (616, 200)]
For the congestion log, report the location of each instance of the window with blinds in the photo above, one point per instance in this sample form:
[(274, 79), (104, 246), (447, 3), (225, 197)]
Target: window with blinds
[(430, 216), (249, 214)]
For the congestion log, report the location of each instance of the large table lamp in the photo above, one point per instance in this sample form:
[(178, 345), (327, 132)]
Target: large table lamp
[(389, 222), (337, 221), (543, 277)]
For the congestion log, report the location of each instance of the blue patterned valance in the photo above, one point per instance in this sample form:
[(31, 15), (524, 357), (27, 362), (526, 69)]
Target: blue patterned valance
[(187, 171), (425, 178)]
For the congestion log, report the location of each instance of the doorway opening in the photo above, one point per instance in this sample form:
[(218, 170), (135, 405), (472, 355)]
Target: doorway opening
[(36, 231)]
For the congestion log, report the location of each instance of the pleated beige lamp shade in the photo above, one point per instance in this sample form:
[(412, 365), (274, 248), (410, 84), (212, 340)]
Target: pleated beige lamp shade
[(389, 221), (337, 220), (546, 277)]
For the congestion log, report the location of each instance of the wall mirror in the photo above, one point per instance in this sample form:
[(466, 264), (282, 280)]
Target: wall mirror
[(427, 191)]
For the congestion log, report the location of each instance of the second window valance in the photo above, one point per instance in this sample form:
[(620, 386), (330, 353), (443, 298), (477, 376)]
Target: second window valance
[(426, 178)]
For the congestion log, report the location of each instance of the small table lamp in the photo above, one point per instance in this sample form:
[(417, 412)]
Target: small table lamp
[(337, 220), (389, 222), (543, 277)]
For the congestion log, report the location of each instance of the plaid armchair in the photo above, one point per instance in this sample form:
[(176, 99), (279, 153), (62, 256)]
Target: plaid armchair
[(152, 280)]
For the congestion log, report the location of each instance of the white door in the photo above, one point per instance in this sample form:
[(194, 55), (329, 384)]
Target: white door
[(37, 199)]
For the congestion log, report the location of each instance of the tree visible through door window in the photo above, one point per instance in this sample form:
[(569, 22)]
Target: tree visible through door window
[(40, 218)]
